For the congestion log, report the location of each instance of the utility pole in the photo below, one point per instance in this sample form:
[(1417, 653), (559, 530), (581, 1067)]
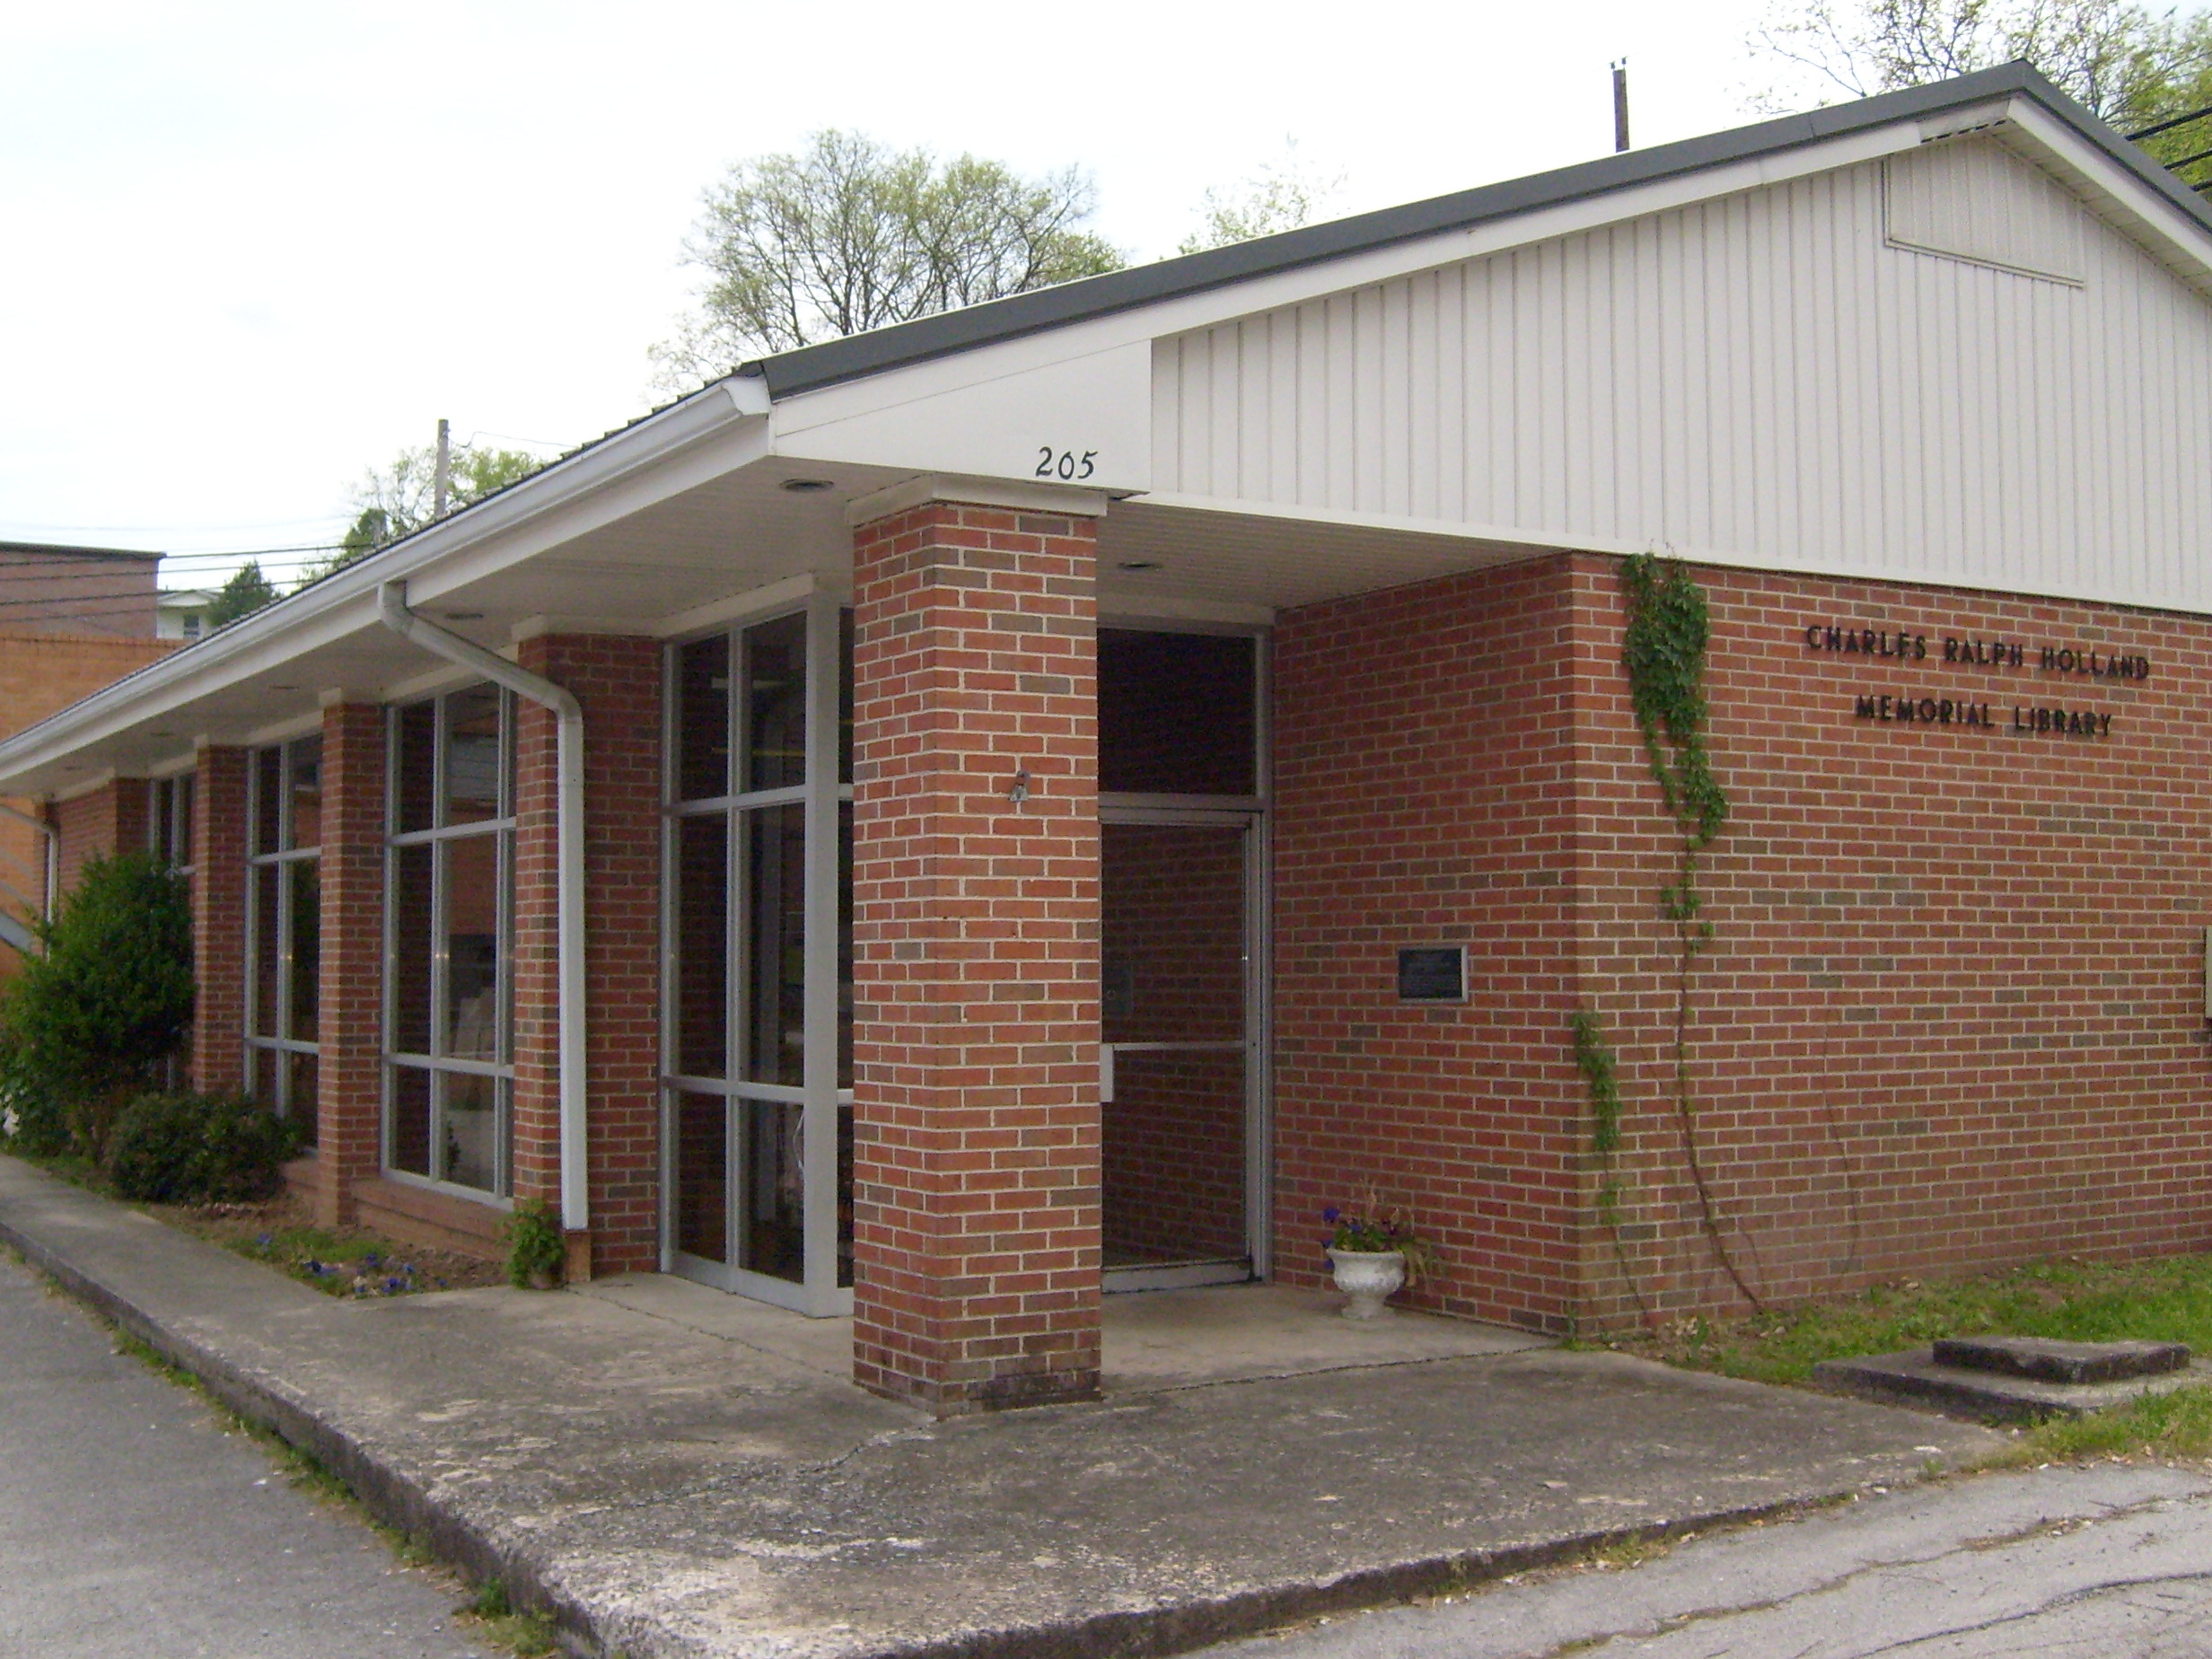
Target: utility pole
[(442, 478), (1620, 110)]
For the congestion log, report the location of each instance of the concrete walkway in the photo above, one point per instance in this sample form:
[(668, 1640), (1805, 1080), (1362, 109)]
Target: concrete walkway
[(675, 1473)]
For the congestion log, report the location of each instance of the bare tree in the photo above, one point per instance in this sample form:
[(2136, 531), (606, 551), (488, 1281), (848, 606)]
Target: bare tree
[(849, 235)]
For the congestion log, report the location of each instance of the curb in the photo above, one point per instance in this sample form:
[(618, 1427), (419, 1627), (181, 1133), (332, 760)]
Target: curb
[(1150, 1633)]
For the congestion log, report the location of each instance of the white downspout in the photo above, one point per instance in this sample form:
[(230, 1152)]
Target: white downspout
[(568, 865), (52, 839)]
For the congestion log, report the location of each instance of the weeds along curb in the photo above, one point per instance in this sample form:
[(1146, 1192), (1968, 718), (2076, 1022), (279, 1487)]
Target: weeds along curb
[(388, 1496)]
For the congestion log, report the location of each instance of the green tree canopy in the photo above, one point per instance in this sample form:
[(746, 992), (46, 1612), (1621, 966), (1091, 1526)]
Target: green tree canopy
[(849, 235), (399, 499), (2131, 66), (246, 591), (1281, 195)]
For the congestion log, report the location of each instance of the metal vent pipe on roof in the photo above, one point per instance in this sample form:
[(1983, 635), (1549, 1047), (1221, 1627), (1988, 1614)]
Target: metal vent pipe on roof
[(568, 862)]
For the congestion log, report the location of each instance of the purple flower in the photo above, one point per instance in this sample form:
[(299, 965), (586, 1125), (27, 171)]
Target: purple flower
[(1332, 1215)]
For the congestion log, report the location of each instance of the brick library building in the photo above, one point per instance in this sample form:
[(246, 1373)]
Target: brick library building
[(949, 824)]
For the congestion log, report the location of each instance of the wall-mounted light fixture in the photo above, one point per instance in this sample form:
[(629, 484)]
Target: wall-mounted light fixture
[(1017, 792)]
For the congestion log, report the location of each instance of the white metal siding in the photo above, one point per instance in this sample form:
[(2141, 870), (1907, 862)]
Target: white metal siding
[(1974, 201), (1761, 377)]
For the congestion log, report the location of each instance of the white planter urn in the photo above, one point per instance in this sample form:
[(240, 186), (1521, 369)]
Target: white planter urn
[(1366, 1277)]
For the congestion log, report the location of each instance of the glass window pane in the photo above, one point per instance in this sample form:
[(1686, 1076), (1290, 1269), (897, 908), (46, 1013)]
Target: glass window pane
[(771, 1238), (305, 877), (410, 947), (844, 944), (159, 805), (414, 740), (410, 1120), (703, 719), (186, 788), (702, 946), (1177, 712), (264, 1078), (775, 703), (268, 911), (472, 755), (774, 1007), (269, 796), (303, 766), (471, 1130), (702, 1176), (300, 1106), (472, 947), (844, 697), (845, 1197)]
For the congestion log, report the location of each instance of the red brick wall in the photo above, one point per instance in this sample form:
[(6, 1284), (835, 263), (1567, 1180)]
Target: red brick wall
[(350, 1014), (975, 1236), (1422, 756), (1953, 1012), (618, 680), (219, 920)]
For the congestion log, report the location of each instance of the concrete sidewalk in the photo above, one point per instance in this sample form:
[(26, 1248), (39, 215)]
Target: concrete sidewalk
[(675, 1473)]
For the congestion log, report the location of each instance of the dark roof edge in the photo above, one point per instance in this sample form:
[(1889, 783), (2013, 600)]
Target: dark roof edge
[(812, 367), (50, 550)]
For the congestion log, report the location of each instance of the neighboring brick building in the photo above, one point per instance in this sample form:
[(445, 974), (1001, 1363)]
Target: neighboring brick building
[(1039, 802), (71, 620)]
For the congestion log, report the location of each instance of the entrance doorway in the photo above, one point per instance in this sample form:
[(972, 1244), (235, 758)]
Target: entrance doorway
[(1180, 1163)]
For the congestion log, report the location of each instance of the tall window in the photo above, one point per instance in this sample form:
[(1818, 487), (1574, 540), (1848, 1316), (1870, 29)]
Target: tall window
[(758, 1033), (168, 820), (284, 927), (449, 1057)]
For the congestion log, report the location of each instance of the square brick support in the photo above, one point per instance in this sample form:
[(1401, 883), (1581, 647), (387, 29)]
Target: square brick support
[(219, 921), (618, 680), (99, 824), (350, 1017), (976, 941)]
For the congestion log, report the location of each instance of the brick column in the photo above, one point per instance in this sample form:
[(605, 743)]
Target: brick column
[(618, 680), (99, 824), (976, 936), (349, 1022), (219, 921)]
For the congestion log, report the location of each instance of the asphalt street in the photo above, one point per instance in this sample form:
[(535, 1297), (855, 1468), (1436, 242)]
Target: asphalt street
[(131, 1523), (2110, 1561)]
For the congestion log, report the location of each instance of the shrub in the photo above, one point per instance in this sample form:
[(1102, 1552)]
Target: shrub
[(33, 1121), (536, 1253), (91, 1018), (197, 1149)]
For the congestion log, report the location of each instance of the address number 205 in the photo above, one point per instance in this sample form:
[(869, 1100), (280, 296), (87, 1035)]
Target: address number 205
[(1069, 465)]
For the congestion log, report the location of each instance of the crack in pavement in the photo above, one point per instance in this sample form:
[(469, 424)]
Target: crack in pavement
[(2065, 1598)]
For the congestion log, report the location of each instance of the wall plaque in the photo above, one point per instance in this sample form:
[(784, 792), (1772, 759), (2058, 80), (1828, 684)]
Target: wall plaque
[(1432, 973)]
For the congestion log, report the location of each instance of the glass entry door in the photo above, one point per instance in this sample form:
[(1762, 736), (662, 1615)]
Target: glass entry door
[(1178, 1177)]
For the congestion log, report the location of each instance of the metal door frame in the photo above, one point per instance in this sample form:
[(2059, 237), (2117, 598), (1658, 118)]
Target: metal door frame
[(1259, 1010)]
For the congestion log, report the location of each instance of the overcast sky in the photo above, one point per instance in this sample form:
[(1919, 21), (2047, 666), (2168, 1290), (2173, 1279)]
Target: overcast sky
[(251, 250)]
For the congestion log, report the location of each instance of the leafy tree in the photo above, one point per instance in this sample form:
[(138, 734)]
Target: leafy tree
[(246, 591), (1281, 195), (90, 1018), (2129, 66), (849, 235), (403, 498)]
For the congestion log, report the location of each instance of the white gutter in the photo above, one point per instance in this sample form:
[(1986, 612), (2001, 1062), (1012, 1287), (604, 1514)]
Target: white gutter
[(568, 865), (52, 864)]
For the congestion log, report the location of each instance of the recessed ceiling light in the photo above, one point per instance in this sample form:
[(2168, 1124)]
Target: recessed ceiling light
[(808, 487), (464, 615), (1139, 563)]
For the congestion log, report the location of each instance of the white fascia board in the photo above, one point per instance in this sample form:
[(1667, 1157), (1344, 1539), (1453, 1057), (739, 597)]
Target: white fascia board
[(704, 435), (2178, 242)]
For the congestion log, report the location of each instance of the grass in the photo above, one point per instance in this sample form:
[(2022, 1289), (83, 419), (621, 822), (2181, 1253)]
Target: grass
[(2167, 1300)]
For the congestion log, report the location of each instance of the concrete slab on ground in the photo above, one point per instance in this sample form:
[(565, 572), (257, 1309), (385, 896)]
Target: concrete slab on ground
[(674, 1486), (1913, 1377)]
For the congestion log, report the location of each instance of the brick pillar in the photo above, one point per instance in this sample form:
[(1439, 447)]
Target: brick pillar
[(99, 824), (219, 921), (976, 934), (618, 680), (349, 1022)]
